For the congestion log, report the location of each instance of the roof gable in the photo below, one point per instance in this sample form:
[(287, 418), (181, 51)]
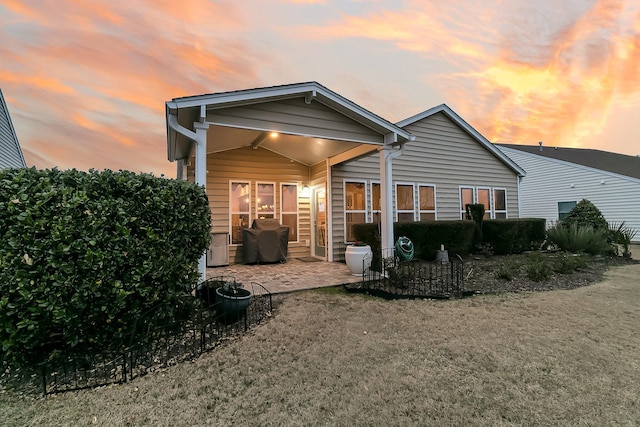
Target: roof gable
[(620, 164), (187, 110), (477, 136), (10, 152)]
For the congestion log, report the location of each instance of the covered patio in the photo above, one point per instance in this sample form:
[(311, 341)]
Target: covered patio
[(294, 275), (280, 140)]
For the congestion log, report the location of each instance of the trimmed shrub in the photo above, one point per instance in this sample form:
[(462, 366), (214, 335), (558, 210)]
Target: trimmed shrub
[(426, 236), (83, 255), (575, 238), (586, 214), (514, 236)]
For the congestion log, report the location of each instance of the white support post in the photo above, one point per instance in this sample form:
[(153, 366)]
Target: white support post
[(387, 154), (201, 178)]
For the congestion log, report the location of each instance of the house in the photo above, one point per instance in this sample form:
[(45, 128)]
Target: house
[(558, 178), (320, 163), (10, 152)]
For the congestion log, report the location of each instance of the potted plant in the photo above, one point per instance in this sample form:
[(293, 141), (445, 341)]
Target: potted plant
[(232, 300), (358, 257)]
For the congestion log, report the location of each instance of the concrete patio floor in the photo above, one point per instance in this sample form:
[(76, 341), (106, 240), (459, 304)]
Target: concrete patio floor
[(294, 275)]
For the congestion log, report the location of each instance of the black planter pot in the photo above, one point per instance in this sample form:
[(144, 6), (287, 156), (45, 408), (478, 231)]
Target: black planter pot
[(232, 304)]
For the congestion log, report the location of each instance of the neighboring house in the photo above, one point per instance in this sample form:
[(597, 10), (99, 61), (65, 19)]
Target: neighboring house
[(10, 152), (558, 178), (320, 163)]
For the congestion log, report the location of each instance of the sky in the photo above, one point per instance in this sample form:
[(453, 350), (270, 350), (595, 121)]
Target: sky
[(86, 81)]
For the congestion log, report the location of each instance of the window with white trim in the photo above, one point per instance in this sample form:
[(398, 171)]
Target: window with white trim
[(427, 202), (239, 209), (564, 208), (405, 202), (376, 210), (355, 206), (289, 209), (467, 197), (265, 200), (500, 203), (483, 197)]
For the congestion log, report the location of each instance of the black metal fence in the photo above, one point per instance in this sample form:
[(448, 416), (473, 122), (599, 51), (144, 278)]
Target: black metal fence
[(393, 278), (199, 326)]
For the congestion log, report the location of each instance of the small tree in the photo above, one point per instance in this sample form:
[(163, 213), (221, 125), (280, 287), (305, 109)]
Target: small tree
[(476, 213), (586, 214)]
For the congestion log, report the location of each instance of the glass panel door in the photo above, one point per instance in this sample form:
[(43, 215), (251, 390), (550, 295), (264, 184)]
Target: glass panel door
[(319, 222)]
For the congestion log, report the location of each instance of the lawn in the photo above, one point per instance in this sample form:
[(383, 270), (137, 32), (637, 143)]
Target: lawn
[(328, 358)]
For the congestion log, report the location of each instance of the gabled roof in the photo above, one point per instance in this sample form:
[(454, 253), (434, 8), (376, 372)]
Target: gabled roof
[(446, 110), (597, 159), (10, 152), (194, 108)]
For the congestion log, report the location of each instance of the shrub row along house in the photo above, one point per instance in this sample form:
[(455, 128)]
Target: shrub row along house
[(320, 163), (559, 178)]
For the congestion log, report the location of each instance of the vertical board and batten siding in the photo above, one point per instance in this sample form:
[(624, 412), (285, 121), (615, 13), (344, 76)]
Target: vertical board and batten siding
[(294, 116), (247, 164), (550, 181), (10, 154)]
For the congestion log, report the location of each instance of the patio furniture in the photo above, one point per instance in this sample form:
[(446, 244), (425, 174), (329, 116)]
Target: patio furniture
[(267, 241)]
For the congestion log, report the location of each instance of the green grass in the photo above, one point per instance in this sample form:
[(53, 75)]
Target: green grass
[(552, 358)]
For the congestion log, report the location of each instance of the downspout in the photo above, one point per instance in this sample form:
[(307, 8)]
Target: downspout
[(519, 197), (386, 178), (199, 137)]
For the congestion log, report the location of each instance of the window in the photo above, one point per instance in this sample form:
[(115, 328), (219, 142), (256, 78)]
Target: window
[(405, 206), (500, 203), (466, 198), (564, 208), (427, 202), (375, 203), (289, 209), (355, 206), (265, 200), (484, 198), (239, 209)]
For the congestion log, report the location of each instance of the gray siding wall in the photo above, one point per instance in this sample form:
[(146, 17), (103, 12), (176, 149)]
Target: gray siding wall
[(443, 155), (247, 164), (10, 153), (550, 181)]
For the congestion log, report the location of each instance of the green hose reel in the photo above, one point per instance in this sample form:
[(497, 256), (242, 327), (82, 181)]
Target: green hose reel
[(404, 248)]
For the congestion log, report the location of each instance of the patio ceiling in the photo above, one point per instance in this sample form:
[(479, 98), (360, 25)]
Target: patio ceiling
[(311, 123), (306, 150)]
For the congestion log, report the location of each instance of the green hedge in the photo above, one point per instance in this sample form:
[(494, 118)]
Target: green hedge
[(513, 236), (84, 254), (427, 236)]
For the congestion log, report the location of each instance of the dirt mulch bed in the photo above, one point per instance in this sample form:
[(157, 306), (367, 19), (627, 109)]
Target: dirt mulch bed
[(481, 274)]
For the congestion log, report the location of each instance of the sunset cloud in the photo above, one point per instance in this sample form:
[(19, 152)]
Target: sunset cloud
[(86, 81)]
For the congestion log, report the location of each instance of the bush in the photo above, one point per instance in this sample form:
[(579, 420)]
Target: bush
[(426, 236), (507, 270), (575, 238), (537, 268), (621, 234), (568, 263), (513, 236), (83, 255), (586, 214)]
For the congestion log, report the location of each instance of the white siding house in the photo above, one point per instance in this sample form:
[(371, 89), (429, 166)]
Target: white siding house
[(553, 186), (10, 152)]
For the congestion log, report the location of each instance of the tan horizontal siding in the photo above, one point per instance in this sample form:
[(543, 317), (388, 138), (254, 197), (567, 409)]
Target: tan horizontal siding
[(247, 164)]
